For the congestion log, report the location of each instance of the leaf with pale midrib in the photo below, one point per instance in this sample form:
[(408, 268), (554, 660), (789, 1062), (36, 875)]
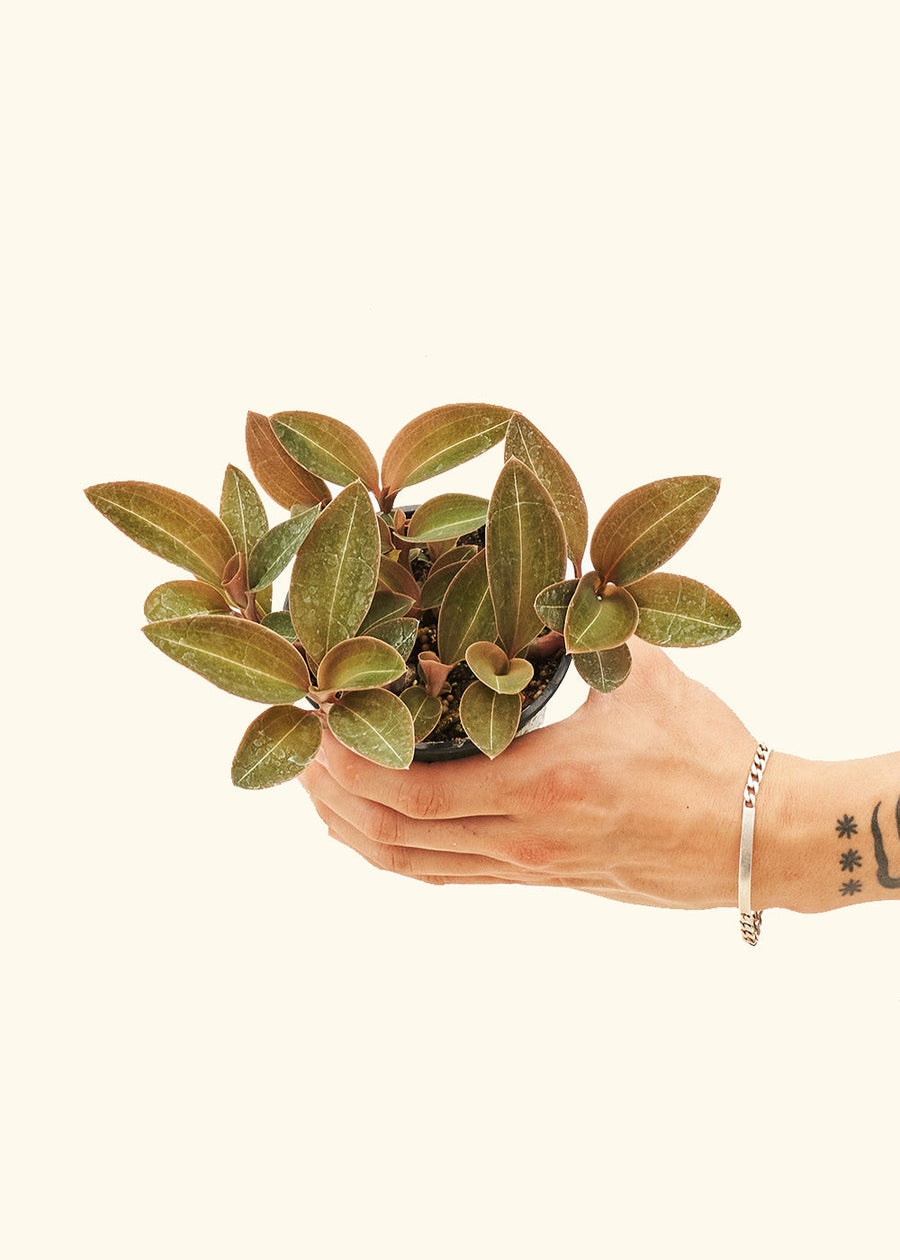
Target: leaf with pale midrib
[(326, 447), (596, 623), (467, 614), (604, 671), (359, 663), (276, 471), (525, 544), (376, 725), (440, 439), (242, 511), (644, 529), (678, 611), (335, 572), (168, 523), (242, 657), (276, 747), (525, 442), (184, 598), (447, 516), (274, 552), (490, 720), (425, 710)]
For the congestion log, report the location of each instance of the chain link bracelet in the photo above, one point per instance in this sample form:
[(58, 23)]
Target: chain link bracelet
[(751, 921)]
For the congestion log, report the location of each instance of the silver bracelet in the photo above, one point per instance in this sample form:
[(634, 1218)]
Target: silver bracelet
[(751, 921)]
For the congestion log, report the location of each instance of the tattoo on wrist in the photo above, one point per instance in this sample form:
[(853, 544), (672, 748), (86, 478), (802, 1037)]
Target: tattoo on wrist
[(846, 828), (881, 859)]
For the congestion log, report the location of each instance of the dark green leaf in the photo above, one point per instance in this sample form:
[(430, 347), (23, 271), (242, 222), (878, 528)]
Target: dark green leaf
[(526, 443), (183, 599), (604, 671), (359, 663), (239, 656), (492, 666), (334, 575), (595, 623), (376, 725), (526, 551), (273, 553), (447, 516), (552, 603), (277, 472), (276, 746), (425, 710), (680, 612), (467, 614), (442, 439), (401, 634), (489, 719), (327, 447), (645, 528), (242, 512), (168, 523)]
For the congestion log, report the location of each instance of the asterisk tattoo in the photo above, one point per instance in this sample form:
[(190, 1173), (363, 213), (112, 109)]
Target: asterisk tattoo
[(846, 827), (850, 859), (852, 886)]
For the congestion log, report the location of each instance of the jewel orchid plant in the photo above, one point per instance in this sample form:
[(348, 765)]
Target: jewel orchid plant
[(409, 624)]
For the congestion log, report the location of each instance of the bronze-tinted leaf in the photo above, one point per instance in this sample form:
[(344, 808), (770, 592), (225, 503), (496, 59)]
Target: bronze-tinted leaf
[(490, 663), (645, 528), (526, 551), (425, 710), (335, 572), (681, 612), (400, 633), (467, 613), (595, 623), (442, 573), (276, 746), (441, 439), (241, 657), (447, 516), (395, 577), (281, 623), (276, 471), (273, 553), (183, 599), (359, 663), (375, 724), (385, 606), (604, 671), (489, 719), (526, 443), (241, 509), (327, 447), (552, 603), (168, 523)]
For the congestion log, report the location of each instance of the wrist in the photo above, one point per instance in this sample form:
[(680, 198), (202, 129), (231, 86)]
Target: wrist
[(813, 848)]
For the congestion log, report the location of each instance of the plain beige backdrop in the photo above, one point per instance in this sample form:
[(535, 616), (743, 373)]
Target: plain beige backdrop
[(667, 232)]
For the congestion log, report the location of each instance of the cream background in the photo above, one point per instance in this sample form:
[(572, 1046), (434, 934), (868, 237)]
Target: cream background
[(668, 234)]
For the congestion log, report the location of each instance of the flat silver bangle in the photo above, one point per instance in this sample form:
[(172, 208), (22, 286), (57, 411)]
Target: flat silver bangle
[(751, 921)]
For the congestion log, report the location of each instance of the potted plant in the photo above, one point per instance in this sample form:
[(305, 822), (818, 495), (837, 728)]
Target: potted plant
[(409, 631)]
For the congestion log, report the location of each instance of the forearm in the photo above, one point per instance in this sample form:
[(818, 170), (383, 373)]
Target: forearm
[(827, 833)]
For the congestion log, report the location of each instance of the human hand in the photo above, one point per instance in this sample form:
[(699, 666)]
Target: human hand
[(636, 796)]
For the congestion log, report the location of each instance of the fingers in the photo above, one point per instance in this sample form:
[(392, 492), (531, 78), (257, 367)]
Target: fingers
[(455, 789), (488, 839), (422, 864)]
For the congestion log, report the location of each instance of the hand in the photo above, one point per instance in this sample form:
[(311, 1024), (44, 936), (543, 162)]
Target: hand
[(636, 796)]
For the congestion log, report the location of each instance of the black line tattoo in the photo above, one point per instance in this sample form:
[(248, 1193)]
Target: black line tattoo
[(851, 859), (884, 876), (846, 827), (852, 886)]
